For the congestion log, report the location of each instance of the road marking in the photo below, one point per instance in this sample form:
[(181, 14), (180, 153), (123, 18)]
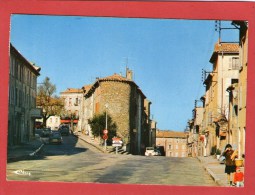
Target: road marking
[(22, 172)]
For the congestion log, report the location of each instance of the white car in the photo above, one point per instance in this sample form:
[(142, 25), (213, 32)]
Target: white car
[(150, 151)]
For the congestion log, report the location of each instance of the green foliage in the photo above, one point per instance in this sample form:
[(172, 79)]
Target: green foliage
[(218, 152), (51, 105), (98, 124)]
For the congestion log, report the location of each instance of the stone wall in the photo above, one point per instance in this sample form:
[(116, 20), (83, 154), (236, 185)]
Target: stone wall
[(117, 96)]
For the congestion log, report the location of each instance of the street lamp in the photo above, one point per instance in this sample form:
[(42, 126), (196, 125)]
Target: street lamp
[(106, 107)]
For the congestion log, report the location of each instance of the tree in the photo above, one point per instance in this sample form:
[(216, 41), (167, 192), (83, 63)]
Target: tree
[(97, 124), (51, 105)]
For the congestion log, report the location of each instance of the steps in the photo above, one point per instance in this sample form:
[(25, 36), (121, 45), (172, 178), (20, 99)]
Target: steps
[(120, 151)]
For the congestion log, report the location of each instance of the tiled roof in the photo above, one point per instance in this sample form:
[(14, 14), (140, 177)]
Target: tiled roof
[(87, 87), (170, 134), (115, 77), (72, 90), (226, 47)]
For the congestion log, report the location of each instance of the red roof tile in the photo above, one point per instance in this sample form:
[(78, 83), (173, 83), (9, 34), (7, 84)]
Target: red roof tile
[(72, 90), (226, 47), (169, 134), (87, 87), (115, 77)]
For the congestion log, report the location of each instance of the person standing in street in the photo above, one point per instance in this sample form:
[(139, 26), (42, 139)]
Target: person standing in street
[(230, 167), (239, 177)]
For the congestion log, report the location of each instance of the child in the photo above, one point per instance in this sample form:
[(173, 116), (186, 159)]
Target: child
[(239, 178)]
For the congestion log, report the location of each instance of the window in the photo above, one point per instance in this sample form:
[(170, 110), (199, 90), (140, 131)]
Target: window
[(176, 147), (170, 146), (233, 81), (234, 63)]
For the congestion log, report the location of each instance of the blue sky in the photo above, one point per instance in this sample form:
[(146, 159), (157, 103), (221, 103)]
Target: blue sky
[(166, 56)]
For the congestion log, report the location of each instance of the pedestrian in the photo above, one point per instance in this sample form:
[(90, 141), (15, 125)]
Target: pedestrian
[(230, 167), (239, 177)]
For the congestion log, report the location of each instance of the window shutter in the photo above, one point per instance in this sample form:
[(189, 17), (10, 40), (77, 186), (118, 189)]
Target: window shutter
[(230, 63)]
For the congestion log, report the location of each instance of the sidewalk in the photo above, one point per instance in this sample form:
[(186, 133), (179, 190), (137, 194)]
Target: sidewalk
[(215, 169), (92, 142), (96, 144), (25, 150)]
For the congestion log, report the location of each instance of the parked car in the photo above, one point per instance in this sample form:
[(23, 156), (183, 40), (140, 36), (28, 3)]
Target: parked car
[(38, 132), (46, 132), (157, 152), (151, 151), (64, 130), (55, 138), (161, 150)]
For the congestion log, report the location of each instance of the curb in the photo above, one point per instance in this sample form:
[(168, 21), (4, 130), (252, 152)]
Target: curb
[(36, 151), (99, 148), (212, 175), (24, 156)]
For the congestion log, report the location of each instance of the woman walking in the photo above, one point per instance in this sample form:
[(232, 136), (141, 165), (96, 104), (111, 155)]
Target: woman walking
[(230, 168)]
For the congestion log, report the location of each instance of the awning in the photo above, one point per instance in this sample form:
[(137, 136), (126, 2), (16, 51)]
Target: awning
[(68, 121)]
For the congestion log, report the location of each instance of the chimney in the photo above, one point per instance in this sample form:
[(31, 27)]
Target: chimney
[(129, 74)]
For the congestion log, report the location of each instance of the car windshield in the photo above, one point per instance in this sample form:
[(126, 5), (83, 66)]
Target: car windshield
[(149, 148)]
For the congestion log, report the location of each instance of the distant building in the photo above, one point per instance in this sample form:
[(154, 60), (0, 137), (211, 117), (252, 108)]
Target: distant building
[(174, 143), (53, 122), (195, 147), (22, 98), (73, 99)]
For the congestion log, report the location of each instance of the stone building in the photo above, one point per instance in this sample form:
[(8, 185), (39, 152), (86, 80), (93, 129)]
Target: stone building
[(174, 143), (22, 98), (125, 103)]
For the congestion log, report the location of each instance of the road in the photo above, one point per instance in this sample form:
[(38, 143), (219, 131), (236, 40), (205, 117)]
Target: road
[(77, 161)]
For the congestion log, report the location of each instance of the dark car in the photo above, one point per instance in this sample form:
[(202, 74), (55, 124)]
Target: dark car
[(38, 132), (55, 138), (64, 130), (46, 132)]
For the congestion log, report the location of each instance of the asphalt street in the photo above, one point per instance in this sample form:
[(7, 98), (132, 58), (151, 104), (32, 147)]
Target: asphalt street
[(79, 161)]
